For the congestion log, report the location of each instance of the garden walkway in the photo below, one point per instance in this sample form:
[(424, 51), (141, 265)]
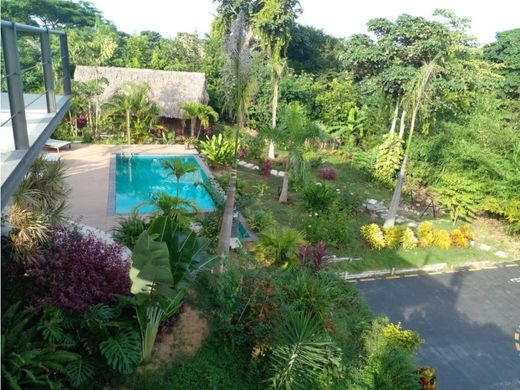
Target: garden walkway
[(88, 174)]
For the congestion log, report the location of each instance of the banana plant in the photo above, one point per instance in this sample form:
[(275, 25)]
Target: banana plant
[(165, 260)]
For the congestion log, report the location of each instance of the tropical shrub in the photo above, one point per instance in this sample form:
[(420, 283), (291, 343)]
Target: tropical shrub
[(313, 256), (266, 168), (278, 246), (37, 205), (363, 161), (393, 236), (373, 236), (408, 239), (128, 229), (223, 180), (327, 173), (428, 378), (459, 194), (508, 209), (388, 160), (182, 211), (349, 202), (28, 361), (78, 270), (459, 239), (318, 197), (331, 227), (466, 231), (255, 150), (313, 159), (303, 353), (404, 338), (218, 151), (259, 220), (441, 239), (164, 263), (425, 233), (260, 189)]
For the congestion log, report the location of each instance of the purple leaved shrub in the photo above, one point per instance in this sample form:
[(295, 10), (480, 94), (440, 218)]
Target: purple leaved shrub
[(266, 168), (77, 271), (327, 173)]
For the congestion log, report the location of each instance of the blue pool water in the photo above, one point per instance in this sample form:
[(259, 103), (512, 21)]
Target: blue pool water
[(140, 176)]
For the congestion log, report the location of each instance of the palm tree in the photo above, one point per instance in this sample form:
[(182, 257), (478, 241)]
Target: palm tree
[(417, 98), (37, 205), (239, 79), (273, 23), (131, 107), (294, 131), (179, 210), (202, 112), (178, 169)]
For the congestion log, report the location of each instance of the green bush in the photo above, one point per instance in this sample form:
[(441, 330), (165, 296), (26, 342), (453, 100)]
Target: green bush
[(259, 220), (278, 246), (318, 197), (349, 202), (313, 159), (218, 151), (331, 227), (128, 230), (255, 147)]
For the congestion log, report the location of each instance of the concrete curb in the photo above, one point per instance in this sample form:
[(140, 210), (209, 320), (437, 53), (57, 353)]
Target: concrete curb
[(431, 269)]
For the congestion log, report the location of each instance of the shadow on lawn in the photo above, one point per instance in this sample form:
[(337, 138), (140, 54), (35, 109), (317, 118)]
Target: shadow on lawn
[(467, 321)]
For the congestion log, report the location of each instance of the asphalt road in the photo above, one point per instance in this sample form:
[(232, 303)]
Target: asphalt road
[(468, 321)]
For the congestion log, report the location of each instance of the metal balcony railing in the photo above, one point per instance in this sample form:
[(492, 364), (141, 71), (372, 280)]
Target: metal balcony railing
[(13, 75)]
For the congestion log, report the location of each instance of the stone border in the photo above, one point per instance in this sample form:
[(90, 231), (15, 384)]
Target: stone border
[(245, 164)]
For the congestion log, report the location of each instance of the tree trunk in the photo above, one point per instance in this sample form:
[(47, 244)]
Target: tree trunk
[(394, 120), (192, 125), (396, 197), (285, 188), (227, 217), (401, 127), (276, 82), (128, 132)]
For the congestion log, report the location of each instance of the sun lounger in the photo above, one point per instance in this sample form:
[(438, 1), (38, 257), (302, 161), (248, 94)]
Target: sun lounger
[(57, 144), (51, 156)]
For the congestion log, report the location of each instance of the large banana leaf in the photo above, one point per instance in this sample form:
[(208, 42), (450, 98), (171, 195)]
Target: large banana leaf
[(150, 272)]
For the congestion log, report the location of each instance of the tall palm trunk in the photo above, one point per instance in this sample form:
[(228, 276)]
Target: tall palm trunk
[(229, 207), (128, 133), (276, 87), (394, 120), (401, 127), (285, 189), (193, 120), (396, 197)]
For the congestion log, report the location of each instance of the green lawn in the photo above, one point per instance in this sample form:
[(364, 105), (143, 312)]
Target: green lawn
[(486, 231)]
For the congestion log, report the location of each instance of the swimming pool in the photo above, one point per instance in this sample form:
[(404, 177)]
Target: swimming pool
[(137, 177)]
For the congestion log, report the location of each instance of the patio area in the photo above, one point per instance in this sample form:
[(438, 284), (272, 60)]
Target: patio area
[(88, 174)]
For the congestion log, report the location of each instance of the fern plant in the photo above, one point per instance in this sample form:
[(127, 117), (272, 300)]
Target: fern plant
[(459, 194)]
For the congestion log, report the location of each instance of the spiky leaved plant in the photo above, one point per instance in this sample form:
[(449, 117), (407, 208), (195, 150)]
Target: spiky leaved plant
[(37, 205)]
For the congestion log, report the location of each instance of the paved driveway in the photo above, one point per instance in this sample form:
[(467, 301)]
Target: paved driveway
[(467, 319)]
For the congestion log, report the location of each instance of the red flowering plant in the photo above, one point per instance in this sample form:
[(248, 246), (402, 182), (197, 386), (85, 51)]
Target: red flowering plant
[(77, 271), (266, 168), (241, 152)]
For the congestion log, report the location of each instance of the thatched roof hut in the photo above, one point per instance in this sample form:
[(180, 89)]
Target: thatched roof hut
[(169, 89)]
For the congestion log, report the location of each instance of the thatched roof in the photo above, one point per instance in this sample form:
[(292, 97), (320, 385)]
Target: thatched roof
[(169, 89)]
